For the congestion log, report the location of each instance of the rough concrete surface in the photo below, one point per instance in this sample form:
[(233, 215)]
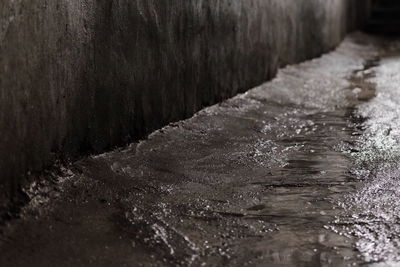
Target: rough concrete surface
[(300, 171), (83, 76)]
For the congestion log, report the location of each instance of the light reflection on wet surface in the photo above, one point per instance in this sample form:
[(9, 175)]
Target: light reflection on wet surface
[(268, 178), (371, 211), (299, 198)]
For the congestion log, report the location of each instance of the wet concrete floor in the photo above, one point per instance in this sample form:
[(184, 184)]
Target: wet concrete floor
[(301, 171)]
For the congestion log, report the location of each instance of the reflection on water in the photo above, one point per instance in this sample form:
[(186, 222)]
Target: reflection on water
[(304, 197), (300, 197)]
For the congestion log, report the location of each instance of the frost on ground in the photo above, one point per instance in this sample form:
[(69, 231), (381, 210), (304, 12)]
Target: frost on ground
[(373, 211)]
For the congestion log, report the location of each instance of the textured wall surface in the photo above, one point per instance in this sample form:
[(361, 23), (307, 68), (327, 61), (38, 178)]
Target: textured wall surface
[(83, 76)]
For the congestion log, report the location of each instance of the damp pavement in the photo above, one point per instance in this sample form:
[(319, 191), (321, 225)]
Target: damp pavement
[(301, 171)]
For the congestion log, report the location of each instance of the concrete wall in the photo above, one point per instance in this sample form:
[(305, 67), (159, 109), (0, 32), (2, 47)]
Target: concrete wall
[(83, 76)]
